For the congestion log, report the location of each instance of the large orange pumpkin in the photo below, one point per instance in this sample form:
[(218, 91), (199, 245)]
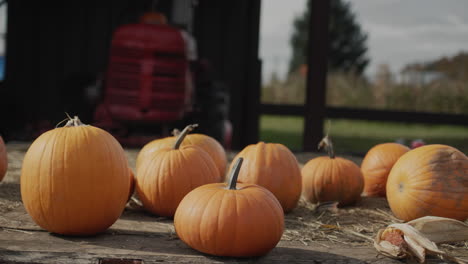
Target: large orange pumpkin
[(207, 143), (165, 177), (3, 159), (274, 167), (429, 180), (237, 220), (331, 178), (75, 180), (377, 164)]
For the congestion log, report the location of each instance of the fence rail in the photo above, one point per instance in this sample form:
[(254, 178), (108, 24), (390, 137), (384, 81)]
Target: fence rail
[(369, 114)]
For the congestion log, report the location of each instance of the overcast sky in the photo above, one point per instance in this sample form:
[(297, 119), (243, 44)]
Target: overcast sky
[(400, 31)]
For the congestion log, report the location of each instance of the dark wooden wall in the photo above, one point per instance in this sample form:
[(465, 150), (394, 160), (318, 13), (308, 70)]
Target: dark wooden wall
[(53, 45), (228, 35)]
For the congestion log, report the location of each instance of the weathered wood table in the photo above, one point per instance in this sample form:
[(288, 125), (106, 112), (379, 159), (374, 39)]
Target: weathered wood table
[(311, 236)]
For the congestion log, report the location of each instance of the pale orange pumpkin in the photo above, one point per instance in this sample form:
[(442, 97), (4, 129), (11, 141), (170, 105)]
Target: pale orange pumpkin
[(274, 167), (236, 220), (326, 179), (168, 174), (75, 180), (429, 180), (207, 143), (3, 159), (377, 164)]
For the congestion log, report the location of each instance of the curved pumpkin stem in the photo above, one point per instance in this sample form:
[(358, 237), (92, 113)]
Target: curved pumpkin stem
[(182, 135), (73, 122), (327, 144), (234, 174)]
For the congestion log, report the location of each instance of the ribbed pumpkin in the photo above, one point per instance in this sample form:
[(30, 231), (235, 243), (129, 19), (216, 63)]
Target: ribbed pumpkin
[(207, 143), (236, 220), (331, 178), (75, 180), (429, 180), (3, 159), (165, 177), (274, 167), (377, 164)]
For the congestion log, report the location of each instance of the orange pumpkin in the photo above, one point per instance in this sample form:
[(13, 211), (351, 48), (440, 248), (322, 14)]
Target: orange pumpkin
[(429, 180), (153, 17), (331, 178), (3, 159), (165, 177), (207, 143), (274, 167), (377, 164), (236, 220), (75, 180)]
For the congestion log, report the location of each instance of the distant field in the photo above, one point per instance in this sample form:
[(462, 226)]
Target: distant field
[(356, 137)]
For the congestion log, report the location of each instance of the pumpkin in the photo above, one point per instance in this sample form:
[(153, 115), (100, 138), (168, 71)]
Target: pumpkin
[(236, 220), (377, 164), (331, 178), (429, 180), (274, 167), (75, 180), (3, 159), (153, 17), (165, 177), (207, 143)]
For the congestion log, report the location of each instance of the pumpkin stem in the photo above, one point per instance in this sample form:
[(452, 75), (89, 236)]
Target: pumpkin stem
[(182, 135), (327, 144), (73, 122), (234, 174)]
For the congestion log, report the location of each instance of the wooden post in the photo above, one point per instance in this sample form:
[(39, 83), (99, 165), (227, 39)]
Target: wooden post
[(251, 91), (317, 59)]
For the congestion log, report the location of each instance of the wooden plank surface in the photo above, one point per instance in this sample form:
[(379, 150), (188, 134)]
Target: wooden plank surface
[(139, 235)]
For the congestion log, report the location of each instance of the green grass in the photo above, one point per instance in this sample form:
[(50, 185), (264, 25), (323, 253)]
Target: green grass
[(357, 137)]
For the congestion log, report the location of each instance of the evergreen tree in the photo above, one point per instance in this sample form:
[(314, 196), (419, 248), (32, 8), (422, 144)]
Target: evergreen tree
[(347, 49)]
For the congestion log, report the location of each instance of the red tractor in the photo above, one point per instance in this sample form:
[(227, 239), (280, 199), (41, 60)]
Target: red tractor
[(149, 81)]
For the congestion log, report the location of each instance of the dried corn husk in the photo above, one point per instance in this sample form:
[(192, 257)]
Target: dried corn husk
[(418, 238)]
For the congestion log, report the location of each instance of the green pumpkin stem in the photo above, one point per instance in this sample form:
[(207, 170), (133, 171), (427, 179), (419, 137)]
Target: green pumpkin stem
[(182, 135), (327, 144), (234, 174)]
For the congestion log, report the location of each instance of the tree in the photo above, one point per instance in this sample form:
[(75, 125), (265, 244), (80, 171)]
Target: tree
[(348, 48)]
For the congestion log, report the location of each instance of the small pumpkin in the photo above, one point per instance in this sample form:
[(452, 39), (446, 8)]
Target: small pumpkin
[(207, 143), (168, 174), (429, 180), (331, 178), (236, 220), (153, 17), (377, 164), (3, 159), (274, 167), (75, 180)]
